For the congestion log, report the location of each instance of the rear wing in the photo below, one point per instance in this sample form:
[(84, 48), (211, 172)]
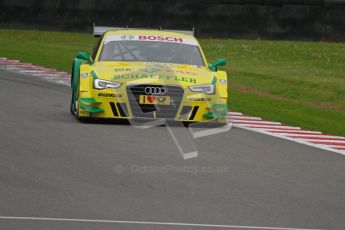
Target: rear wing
[(98, 31)]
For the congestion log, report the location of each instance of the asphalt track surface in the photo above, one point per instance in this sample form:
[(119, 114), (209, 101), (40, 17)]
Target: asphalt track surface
[(53, 166)]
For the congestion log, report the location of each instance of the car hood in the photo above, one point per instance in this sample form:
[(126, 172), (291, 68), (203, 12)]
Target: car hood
[(152, 73)]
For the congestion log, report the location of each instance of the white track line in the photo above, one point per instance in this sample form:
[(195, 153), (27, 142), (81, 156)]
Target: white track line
[(257, 122), (235, 113), (331, 146), (273, 127), (293, 139), (321, 141), (296, 134), (314, 136), (9, 61), (284, 132), (34, 71), (149, 223), (244, 118), (47, 74), (33, 68), (16, 67), (340, 149), (16, 64)]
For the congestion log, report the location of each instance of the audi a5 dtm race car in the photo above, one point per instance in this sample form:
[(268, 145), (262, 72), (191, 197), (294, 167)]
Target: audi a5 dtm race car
[(151, 74)]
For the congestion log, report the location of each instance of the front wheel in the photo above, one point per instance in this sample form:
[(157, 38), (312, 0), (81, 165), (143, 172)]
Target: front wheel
[(74, 108), (74, 102), (72, 105)]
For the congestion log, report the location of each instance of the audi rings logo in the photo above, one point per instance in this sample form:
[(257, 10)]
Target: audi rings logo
[(155, 90)]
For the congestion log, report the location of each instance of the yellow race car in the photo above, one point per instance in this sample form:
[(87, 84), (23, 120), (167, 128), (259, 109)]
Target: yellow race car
[(149, 74)]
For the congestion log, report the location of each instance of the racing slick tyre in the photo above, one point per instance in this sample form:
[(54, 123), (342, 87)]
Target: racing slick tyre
[(74, 108)]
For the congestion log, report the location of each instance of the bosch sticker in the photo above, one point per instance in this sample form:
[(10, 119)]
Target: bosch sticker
[(160, 38), (133, 37)]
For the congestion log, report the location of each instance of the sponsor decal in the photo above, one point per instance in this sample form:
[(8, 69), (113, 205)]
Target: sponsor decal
[(127, 37), (223, 81), (160, 38), (114, 95), (181, 72), (84, 75), (157, 38), (151, 76), (185, 72), (159, 64), (150, 70), (198, 99), (123, 69), (154, 100)]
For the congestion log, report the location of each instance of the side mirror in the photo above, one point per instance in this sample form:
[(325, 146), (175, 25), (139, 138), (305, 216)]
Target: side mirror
[(218, 62), (84, 56)]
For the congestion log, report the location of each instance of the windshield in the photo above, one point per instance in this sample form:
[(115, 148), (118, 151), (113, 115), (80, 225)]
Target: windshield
[(151, 51)]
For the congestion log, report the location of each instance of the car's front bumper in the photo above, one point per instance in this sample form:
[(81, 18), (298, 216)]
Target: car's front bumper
[(124, 104)]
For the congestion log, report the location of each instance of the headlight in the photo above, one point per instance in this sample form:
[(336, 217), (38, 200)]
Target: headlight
[(207, 89), (102, 84)]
